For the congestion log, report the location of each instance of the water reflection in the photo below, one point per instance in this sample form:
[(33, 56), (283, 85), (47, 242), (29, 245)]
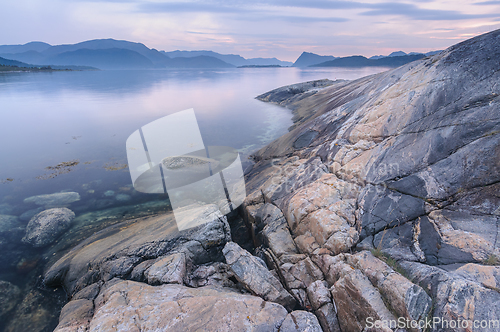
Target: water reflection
[(64, 132)]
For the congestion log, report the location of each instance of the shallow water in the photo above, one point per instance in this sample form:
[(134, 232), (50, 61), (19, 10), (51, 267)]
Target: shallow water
[(66, 131)]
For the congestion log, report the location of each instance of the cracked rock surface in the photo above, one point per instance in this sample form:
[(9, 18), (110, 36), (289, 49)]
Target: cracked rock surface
[(381, 203)]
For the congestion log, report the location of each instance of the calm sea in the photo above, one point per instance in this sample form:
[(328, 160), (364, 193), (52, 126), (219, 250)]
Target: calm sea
[(66, 132)]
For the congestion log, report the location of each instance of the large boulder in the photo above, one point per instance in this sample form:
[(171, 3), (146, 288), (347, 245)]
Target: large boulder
[(45, 227)]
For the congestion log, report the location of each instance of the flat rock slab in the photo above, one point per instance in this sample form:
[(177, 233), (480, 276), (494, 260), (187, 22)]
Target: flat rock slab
[(116, 250), (134, 306)]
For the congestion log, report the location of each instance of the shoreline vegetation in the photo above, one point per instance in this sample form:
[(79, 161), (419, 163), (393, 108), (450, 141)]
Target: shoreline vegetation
[(16, 69)]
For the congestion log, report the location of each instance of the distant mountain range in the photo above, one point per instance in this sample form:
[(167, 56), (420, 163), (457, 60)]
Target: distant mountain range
[(14, 63), (401, 53), (307, 59), (121, 54), (233, 59), (394, 59), (361, 61)]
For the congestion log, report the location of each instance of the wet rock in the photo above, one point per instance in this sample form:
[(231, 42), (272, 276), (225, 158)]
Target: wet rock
[(88, 293), (123, 197), (11, 233), (138, 307), (46, 226), (6, 208), (11, 230), (54, 200), (300, 321), (167, 270), (255, 277), (109, 193), (34, 313), (9, 297)]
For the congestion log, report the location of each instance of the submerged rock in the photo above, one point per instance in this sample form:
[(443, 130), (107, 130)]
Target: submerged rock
[(34, 313), (9, 297), (27, 215), (109, 193), (46, 226), (11, 230), (54, 200), (123, 197)]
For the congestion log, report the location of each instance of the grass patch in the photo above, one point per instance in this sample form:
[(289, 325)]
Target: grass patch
[(377, 252), (492, 260)]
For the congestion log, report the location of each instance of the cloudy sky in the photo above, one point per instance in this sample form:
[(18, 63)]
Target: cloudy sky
[(257, 28)]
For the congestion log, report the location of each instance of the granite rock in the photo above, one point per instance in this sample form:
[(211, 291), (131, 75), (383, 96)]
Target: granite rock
[(45, 227), (133, 306), (256, 277)]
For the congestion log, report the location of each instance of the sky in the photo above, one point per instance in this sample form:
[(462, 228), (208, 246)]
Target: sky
[(257, 28)]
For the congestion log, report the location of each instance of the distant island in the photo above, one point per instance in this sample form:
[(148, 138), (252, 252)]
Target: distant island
[(262, 66), (111, 54)]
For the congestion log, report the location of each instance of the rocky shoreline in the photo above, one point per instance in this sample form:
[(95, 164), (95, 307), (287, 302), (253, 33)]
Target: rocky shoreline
[(380, 204)]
